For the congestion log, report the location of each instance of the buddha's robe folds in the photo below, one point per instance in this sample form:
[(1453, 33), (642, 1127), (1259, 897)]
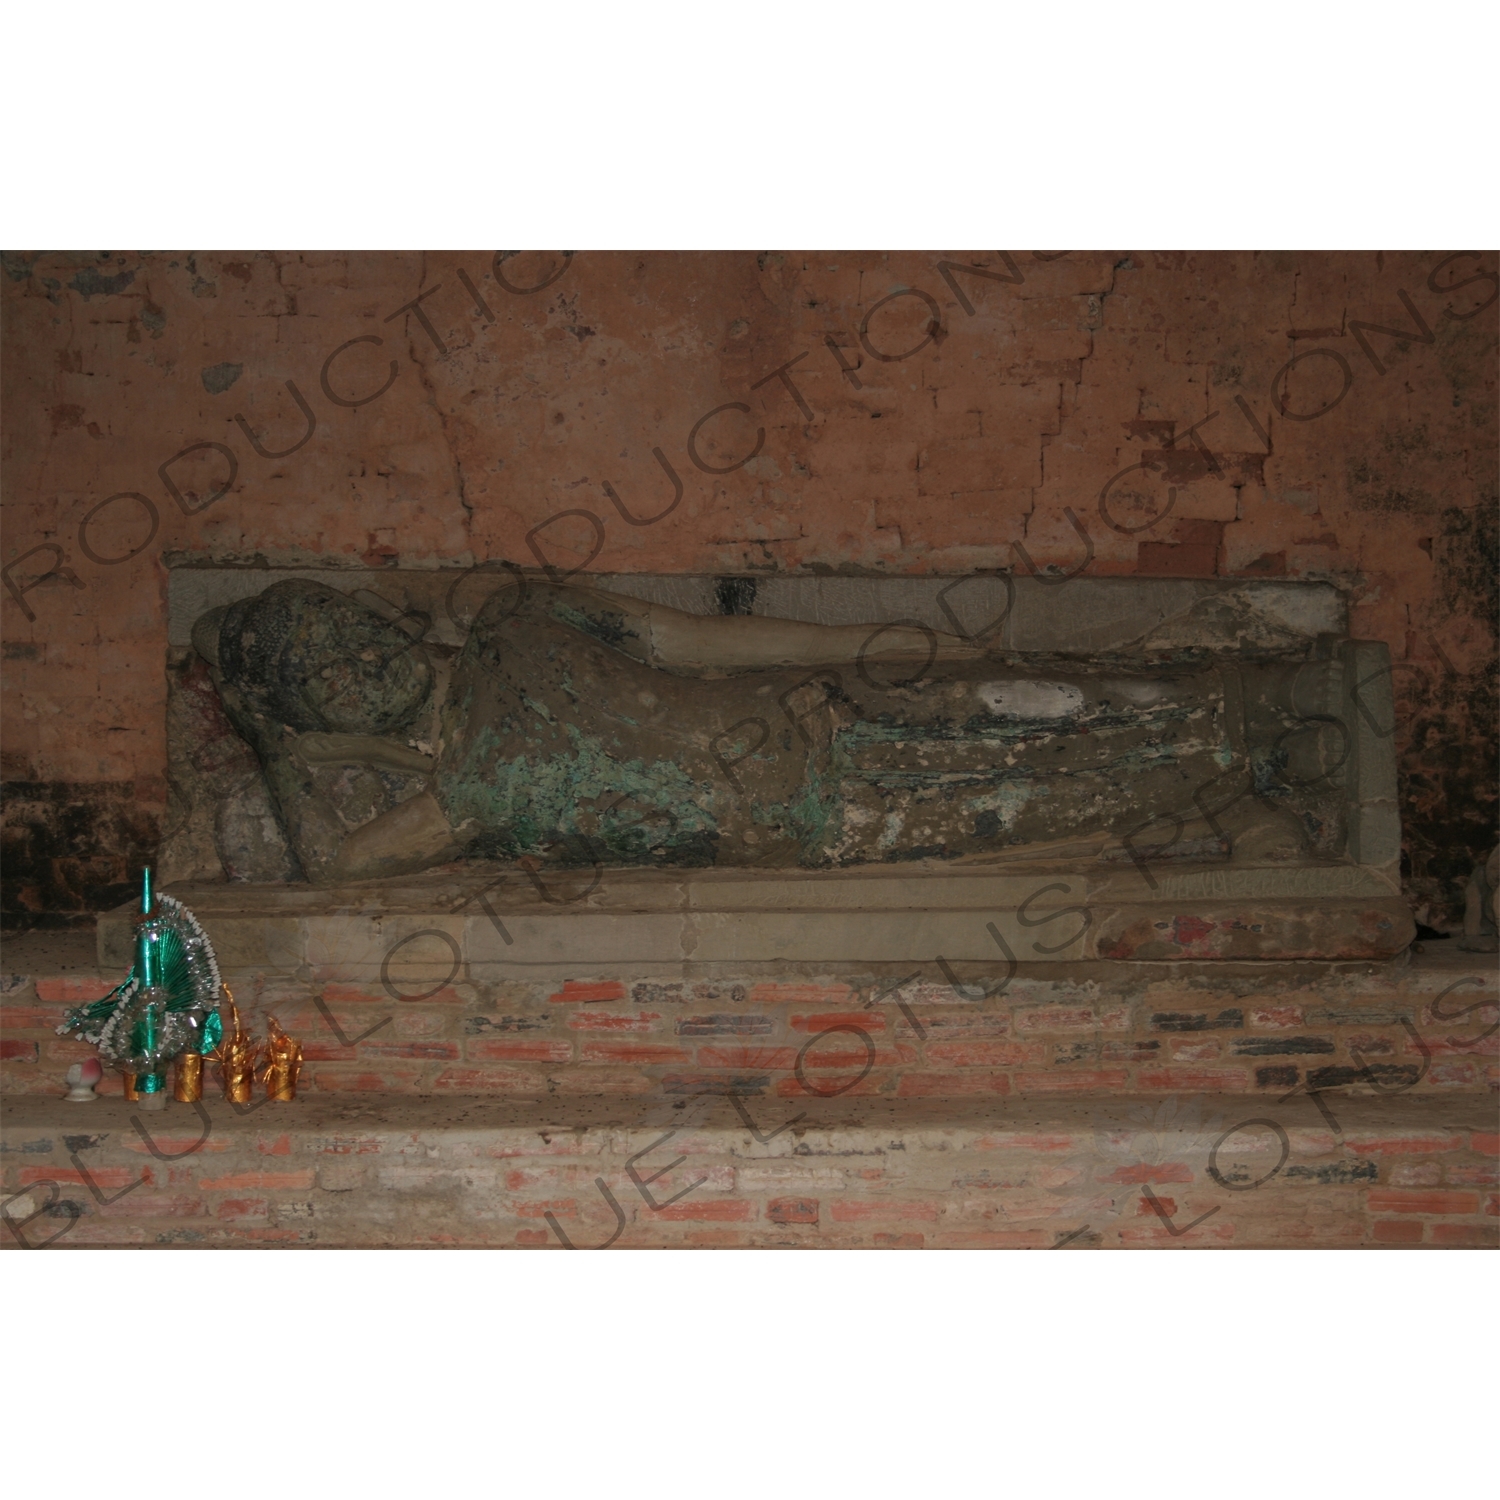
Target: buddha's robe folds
[(560, 740)]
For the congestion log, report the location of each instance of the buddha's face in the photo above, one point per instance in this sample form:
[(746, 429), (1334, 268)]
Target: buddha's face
[(316, 659), (376, 683)]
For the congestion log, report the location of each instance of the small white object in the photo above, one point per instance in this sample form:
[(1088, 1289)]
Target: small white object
[(1023, 698), (79, 1092)]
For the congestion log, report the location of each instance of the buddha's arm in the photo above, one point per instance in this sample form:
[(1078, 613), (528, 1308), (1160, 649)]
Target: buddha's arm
[(361, 749), (671, 638), (413, 836)]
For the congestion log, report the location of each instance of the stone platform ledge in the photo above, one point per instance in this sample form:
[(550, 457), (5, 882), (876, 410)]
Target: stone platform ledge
[(563, 922), (1122, 1173)]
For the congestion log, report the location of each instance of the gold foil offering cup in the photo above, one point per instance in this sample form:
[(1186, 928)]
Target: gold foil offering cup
[(187, 1078), (128, 1081), (237, 1057), (283, 1063), (281, 1084)]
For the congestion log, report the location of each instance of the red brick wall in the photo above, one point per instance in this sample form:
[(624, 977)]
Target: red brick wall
[(1142, 1174), (1427, 1033), (1339, 452)]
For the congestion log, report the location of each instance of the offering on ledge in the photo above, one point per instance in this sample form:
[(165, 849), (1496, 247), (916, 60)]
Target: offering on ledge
[(164, 1008), (283, 1063), (187, 1078), (81, 1079), (237, 1056)]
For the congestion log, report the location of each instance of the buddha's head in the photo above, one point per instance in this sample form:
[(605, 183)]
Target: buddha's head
[(306, 656)]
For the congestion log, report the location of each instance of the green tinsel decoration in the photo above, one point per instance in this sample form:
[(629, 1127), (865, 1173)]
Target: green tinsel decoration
[(173, 954)]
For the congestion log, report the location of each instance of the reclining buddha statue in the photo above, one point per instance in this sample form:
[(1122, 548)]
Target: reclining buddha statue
[(576, 726)]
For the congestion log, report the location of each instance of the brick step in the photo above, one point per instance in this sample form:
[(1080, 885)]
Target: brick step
[(1424, 1025), (720, 1170)]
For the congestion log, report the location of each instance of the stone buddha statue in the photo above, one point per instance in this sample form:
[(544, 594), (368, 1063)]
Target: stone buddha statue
[(576, 726)]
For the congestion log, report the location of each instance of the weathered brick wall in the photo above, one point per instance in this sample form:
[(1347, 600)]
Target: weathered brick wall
[(1236, 415), (1156, 1172), (1424, 1030)]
